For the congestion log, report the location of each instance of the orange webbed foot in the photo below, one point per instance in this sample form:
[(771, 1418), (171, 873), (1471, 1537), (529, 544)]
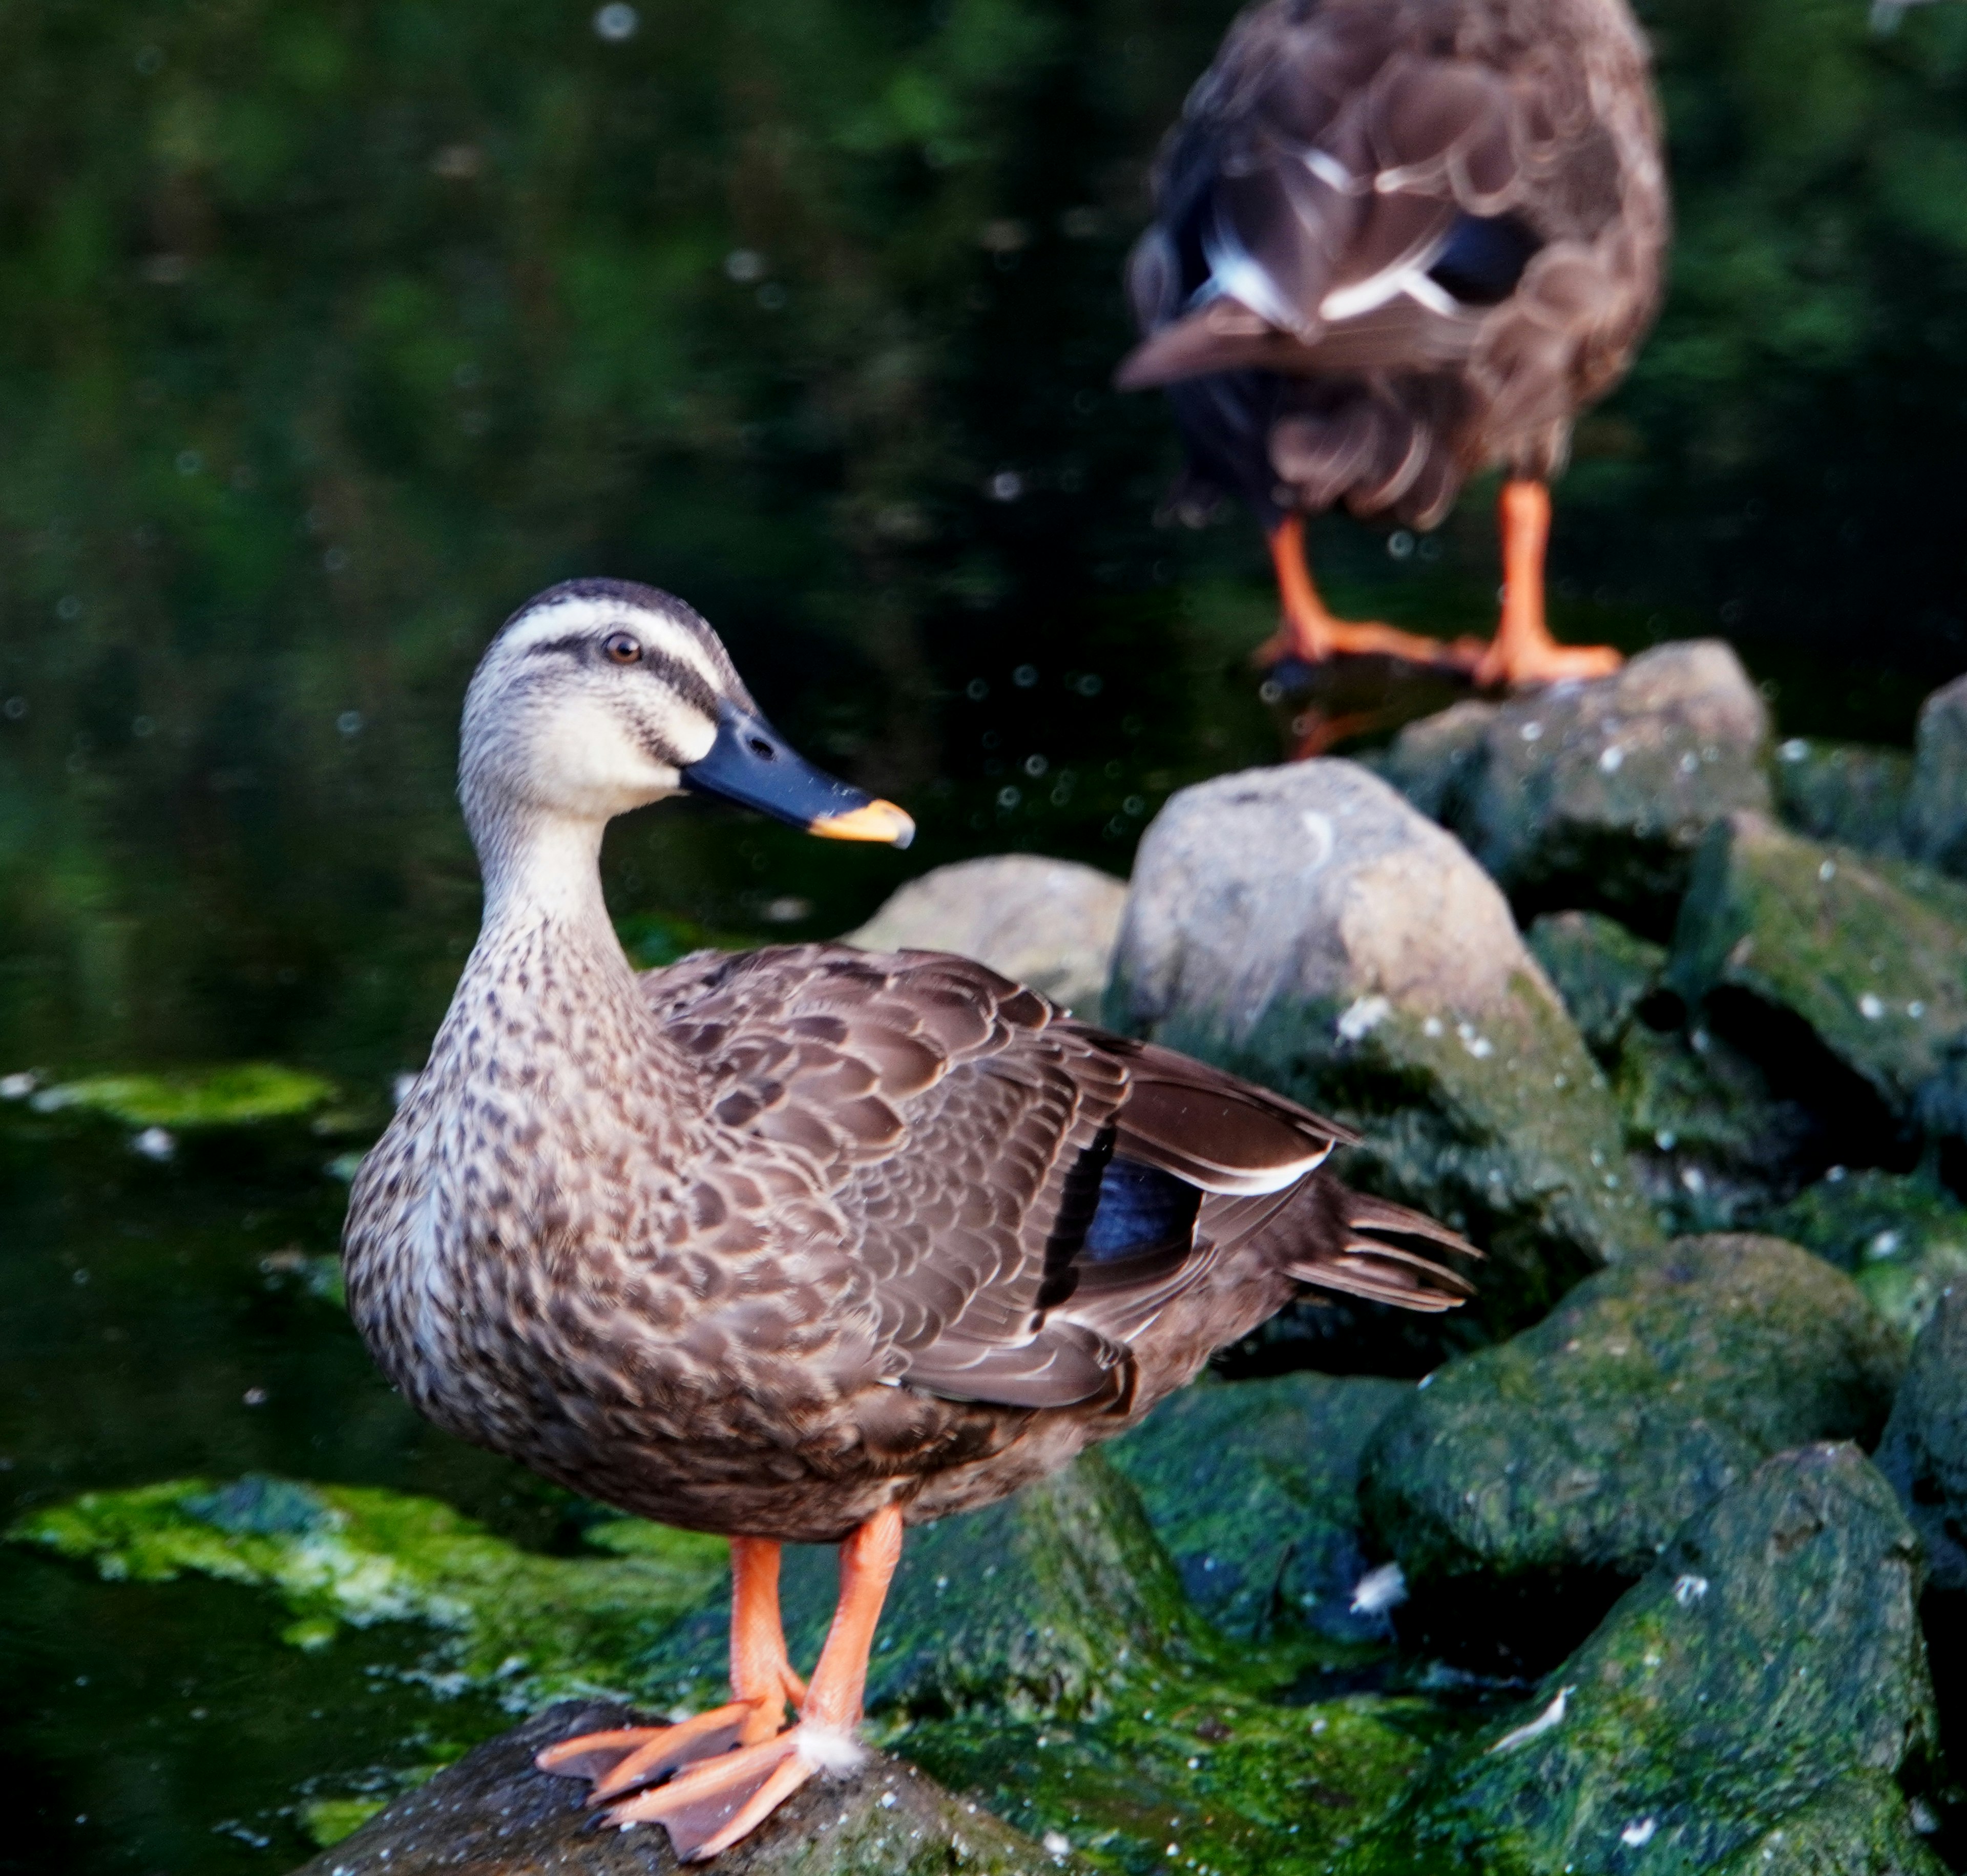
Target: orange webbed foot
[(1521, 666), (619, 1760)]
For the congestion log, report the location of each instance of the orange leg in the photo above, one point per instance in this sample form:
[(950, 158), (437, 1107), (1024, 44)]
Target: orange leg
[(712, 1805), (761, 1679), (1522, 651), (1309, 632)]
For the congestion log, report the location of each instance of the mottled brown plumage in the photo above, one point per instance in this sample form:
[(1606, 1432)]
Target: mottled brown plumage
[(774, 1243), (1398, 240)]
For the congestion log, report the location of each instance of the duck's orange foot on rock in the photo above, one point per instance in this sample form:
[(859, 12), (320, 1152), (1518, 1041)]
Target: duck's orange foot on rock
[(714, 1803), (629, 1757)]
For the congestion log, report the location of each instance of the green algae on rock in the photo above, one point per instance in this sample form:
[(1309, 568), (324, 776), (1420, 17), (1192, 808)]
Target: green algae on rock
[(1849, 794), (494, 1814), (1306, 927), (1860, 1825), (1871, 953), (183, 1100), (1702, 1712), (1602, 972), (1584, 1443), (530, 1628), (1253, 1488), (1924, 1451), (1903, 1237)]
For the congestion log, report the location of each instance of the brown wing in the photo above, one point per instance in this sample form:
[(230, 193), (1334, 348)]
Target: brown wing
[(960, 1128)]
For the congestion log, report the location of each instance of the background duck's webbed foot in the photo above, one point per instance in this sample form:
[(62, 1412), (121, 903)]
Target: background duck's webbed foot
[(1522, 651), (1310, 633)]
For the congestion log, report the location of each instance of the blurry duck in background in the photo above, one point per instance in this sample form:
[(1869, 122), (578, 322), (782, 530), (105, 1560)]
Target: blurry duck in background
[(1396, 242), (801, 1244)]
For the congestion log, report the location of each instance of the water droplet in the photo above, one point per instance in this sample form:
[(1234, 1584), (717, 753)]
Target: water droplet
[(617, 21)]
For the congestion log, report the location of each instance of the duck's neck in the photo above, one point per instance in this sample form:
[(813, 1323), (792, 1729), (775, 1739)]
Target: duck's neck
[(542, 869)]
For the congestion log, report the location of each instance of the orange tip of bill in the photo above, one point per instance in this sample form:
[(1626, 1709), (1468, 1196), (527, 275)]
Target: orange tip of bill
[(878, 820)]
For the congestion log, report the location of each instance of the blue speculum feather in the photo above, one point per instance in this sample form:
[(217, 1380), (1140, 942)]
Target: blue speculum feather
[(1483, 258), (1140, 1208)]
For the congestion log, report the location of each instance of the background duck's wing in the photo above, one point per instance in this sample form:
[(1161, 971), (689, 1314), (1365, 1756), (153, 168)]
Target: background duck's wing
[(1022, 1194)]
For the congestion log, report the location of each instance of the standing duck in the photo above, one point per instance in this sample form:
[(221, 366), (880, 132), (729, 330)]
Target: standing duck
[(1396, 242), (799, 1245)]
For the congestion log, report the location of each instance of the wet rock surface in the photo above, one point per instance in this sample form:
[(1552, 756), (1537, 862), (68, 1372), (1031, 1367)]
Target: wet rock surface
[(1307, 927), (1904, 1238), (1550, 1466), (1702, 1715), (1924, 1451), (494, 1814), (1253, 1488), (1602, 972), (1049, 923), (1832, 958), (1849, 794), (1597, 794), (1935, 809)]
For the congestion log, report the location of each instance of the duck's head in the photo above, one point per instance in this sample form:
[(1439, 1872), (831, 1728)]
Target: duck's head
[(601, 696)]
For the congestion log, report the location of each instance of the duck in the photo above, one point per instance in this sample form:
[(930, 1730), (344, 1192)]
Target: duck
[(1394, 242), (805, 1244)]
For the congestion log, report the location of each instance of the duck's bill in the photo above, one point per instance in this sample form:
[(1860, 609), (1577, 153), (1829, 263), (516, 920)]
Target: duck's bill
[(752, 764)]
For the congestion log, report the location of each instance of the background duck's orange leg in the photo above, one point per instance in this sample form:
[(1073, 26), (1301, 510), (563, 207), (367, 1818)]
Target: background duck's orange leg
[(1522, 651), (1309, 632), (711, 1806), (762, 1680)]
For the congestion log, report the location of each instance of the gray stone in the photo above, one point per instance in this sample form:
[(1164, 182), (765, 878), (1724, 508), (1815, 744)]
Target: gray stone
[(1435, 760), (1584, 1443), (1851, 794), (1254, 1488), (1860, 1825), (1935, 814), (1770, 1655), (1924, 1452), (1307, 927), (1598, 793), (1049, 923), (1602, 972), (1870, 953), (1903, 1237), (494, 1815)]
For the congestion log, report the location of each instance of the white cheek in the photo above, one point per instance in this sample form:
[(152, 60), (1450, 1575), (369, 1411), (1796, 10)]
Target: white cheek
[(588, 763)]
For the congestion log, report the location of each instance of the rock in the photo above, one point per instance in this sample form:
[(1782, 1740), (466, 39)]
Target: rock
[(1714, 1145), (1770, 1658), (1924, 1451), (1306, 927), (493, 1813), (1849, 794), (1935, 812), (1867, 955), (1049, 923), (1859, 1825), (1602, 972), (1546, 1467), (1435, 761), (1904, 1238), (1253, 1488), (1597, 794)]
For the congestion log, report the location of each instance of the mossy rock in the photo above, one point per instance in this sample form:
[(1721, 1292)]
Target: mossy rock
[(1861, 1825), (1253, 1486), (494, 1814), (1903, 1237), (239, 1094), (1305, 927), (1870, 954), (530, 1628), (1568, 1457), (1849, 794), (1924, 1451), (1602, 972), (1771, 1654)]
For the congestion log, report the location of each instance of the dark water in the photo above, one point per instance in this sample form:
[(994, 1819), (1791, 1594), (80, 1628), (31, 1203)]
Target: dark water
[(330, 332)]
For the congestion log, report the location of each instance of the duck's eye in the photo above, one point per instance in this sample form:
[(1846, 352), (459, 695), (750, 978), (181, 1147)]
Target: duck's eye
[(623, 647)]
